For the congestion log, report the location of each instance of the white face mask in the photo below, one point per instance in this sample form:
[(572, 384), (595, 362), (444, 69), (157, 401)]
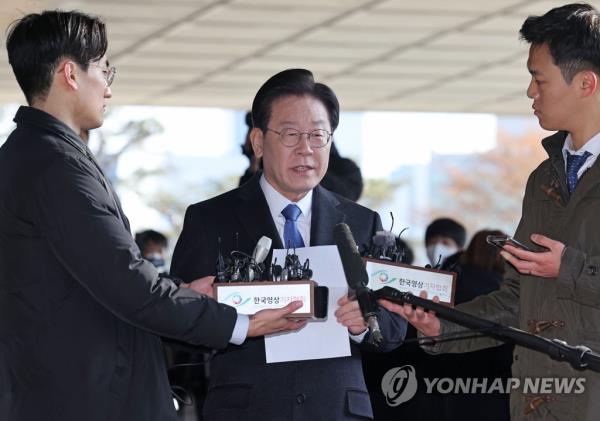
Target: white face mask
[(156, 259), (434, 251)]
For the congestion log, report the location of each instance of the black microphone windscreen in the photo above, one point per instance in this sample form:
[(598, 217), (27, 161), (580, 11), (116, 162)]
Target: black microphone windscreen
[(356, 274)]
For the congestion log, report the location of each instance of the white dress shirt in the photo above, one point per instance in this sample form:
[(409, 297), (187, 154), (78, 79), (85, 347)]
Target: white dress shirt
[(592, 146), (277, 202)]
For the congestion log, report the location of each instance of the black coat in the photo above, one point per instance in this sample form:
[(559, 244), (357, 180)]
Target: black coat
[(242, 385), (79, 308)]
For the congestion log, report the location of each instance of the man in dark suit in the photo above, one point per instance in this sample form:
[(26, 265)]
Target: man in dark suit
[(294, 118), (80, 311)]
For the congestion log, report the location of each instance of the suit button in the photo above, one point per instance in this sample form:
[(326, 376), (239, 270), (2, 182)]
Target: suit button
[(300, 398)]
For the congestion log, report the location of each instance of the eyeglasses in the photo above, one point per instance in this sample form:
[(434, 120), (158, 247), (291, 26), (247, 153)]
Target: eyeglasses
[(291, 137), (109, 73)]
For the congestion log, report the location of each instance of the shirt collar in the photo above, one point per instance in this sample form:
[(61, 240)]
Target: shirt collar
[(277, 201), (592, 146)]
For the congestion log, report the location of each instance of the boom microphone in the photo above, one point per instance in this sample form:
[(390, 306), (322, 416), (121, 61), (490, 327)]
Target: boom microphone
[(580, 356), (357, 278)]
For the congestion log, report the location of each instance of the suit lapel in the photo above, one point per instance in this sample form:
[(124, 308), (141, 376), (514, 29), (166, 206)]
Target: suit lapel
[(254, 215), (324, 217)]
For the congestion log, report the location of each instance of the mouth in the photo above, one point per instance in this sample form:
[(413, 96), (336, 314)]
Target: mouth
[(302, 169)]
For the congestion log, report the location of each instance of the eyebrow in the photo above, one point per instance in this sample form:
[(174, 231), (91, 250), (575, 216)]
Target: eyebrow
[(295, 122)]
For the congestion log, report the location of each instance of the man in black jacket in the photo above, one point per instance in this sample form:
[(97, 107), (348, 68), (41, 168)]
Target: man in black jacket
[(80, 310)]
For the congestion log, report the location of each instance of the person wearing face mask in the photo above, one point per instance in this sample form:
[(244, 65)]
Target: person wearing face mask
[(153, 246), (444, 239)]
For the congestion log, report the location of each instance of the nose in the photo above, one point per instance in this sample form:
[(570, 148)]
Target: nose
[(303, 146), (532, 91), (107, 92)]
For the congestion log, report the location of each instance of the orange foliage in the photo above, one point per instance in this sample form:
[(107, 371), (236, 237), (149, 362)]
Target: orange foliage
[(488, 191)]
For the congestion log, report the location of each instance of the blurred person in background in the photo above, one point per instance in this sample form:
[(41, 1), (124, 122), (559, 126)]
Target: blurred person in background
[(153, 246), (479, 268), (444, 240)]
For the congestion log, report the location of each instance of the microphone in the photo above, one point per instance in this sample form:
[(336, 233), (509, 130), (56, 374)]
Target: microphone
[(221, 265), (261, 251), (384, 239), (385, 245), (357, 278)]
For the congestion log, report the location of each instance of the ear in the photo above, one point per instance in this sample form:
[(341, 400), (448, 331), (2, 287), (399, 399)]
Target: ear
[(588, 83), (257, 138), (69, 75)]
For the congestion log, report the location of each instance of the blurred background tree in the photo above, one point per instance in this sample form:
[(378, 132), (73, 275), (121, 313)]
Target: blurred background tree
[(487, 190)]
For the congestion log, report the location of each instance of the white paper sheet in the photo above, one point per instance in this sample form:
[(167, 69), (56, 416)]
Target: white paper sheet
[(318, 339)]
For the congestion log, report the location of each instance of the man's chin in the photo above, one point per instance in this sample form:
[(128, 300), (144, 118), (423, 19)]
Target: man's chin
[(306, 184), (96, 124), (298, 191), (544, 124)]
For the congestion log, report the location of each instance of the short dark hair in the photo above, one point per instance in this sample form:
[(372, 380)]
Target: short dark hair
[(143, 238), (447, 227), (37, 42), (572, 33), (296, 82)]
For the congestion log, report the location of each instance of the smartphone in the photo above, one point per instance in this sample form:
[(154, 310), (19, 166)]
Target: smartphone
[(501, 240)]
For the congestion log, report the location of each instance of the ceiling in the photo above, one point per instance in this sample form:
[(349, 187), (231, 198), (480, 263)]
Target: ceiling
[(396, 55)]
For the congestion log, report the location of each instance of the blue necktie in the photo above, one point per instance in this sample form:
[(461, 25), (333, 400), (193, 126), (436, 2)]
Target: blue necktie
[(291, 235), (574, 163)]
